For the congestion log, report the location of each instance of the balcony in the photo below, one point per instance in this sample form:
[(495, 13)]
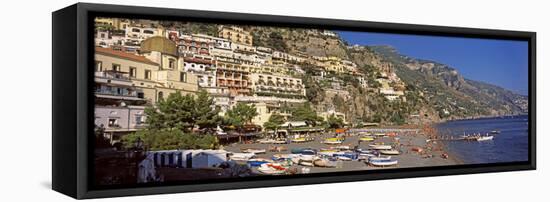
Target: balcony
[(112, 77)]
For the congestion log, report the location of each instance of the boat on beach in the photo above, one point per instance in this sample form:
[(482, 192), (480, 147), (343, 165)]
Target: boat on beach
[(366, 139), (241, 156), (332, 142), (272, 169), (383, 162), (325, 162), (379, 158), (283, 156), (306, 151), (301, 140), (258, 162), (390, 152), (380, 146)]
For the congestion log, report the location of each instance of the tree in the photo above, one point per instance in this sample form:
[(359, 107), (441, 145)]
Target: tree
[(240, 114), (175, 112), (274, 122), (306, 113), (334, 122), (206, 114), (183, 112)]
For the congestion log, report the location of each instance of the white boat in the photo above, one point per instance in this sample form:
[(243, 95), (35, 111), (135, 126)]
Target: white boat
[(484, 138), (343, 158), (383, 163), (323, 162), (343, 147), (380, 147), (306, 160), (254, 151), (272, 169), (389, 152), (284, 156), (332, 142), (379, 158), (328, 153), (241, 156)]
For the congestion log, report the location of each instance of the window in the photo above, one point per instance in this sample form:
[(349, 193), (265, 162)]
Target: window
[(113, 122), (133, 72), (98, 66), (136, 30), (183, 77), (161, 96), (148, 32), (139, 119), (147, 74), (116, 67), (171, 63)]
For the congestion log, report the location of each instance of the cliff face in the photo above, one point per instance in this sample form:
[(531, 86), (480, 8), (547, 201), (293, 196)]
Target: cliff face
[(464, 97), (298, 41)]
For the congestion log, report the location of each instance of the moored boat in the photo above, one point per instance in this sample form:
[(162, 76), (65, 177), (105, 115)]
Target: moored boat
[(484, 138)]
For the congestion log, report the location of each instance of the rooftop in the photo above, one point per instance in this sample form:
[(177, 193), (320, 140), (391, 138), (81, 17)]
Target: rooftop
[(123, 55)]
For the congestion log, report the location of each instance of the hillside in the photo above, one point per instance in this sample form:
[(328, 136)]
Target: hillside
[(432, 91), (446, 87)]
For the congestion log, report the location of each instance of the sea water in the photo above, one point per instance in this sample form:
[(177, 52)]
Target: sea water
[(511, 145)]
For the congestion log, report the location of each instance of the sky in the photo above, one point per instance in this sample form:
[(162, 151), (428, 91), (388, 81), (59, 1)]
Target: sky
[(500, 62)]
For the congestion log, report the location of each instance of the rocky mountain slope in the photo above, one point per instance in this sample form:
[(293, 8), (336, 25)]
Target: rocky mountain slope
[(447, 88)]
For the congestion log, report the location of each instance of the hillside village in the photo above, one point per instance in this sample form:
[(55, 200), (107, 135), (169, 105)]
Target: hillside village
[(141, 62)]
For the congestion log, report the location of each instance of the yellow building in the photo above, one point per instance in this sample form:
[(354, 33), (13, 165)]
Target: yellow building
[(265, 110), (171, 74), (235, 34), (156, 72), (232, 76), (334, 64), (277, 86)]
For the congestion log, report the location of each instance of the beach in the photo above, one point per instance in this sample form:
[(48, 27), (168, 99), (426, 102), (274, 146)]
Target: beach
[(430, 156)]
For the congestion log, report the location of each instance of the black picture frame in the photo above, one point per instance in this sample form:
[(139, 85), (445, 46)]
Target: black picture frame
[(72, 101)]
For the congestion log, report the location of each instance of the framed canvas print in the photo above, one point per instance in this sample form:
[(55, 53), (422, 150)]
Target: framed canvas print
[(154, 100)]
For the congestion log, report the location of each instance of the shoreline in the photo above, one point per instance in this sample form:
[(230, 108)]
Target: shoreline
[(480, 118), (430, 156)]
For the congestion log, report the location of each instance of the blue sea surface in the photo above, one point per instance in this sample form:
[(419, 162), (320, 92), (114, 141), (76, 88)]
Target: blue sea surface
[(511, 145)]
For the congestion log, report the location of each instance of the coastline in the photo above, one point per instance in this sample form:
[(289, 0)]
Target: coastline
[(429, 156)]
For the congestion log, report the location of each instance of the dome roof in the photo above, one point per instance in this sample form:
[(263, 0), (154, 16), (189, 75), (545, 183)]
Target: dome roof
[(159, 44)]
